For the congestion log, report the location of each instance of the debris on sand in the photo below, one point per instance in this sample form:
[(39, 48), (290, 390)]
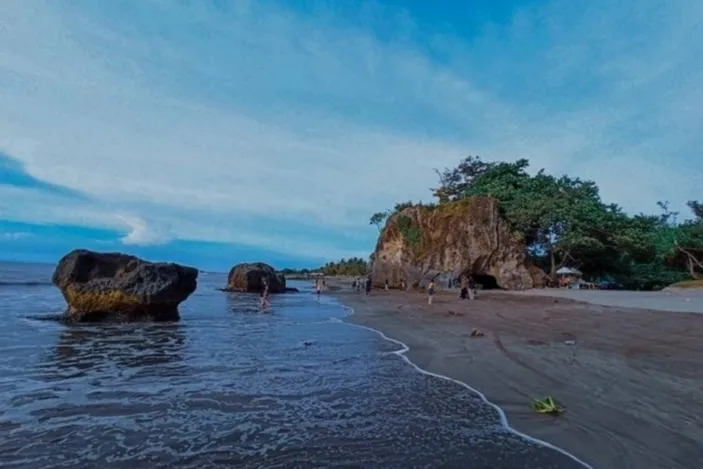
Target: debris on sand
[(308, 343), (547, 405), (476, 333), (536, 342)]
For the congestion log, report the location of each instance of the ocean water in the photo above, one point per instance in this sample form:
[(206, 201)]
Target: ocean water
[(228, 387)]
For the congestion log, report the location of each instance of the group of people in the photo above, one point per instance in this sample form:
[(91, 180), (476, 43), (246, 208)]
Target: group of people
[(362, 284), (468, 289)]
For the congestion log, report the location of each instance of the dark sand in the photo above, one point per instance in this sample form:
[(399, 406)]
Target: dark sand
[(632, 384)]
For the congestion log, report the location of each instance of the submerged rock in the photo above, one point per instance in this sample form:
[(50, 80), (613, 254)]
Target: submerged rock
[(99, 286), (250, 278), (467, 237)]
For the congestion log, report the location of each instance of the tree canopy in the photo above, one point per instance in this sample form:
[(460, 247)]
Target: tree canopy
[(353, 267), (564, 222)]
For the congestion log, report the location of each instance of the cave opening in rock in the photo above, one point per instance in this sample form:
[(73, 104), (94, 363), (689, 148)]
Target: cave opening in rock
[(486, 282)]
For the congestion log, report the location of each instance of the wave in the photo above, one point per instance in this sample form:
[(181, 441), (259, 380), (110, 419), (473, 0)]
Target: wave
[(48, 317), (24, 284)]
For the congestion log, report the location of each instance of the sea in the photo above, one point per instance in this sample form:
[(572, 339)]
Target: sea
[(230, 387)]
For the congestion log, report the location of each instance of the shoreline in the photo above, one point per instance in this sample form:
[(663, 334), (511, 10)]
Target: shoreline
[(629, 382), (503, 418)]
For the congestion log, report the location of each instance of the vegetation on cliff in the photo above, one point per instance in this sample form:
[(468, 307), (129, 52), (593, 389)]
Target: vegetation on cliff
[(563, 221)]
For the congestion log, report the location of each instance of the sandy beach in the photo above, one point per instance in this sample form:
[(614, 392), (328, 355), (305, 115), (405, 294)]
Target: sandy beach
[(631, 382)]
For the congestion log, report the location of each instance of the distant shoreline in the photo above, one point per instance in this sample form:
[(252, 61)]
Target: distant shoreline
[(526, 352)]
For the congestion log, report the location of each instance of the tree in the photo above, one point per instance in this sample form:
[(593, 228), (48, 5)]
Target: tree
[(378, 219), (453, 183), (399, 207), (352, 267), (697, 209), (688, 243)]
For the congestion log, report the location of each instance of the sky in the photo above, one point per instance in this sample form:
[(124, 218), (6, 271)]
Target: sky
[(212, 132)]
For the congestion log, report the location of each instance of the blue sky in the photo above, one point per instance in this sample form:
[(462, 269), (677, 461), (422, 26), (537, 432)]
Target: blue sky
[(214, 131)]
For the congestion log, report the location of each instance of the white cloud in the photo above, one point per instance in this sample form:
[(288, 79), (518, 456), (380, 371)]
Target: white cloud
[(13, 236), (141, 233), (308, 121)]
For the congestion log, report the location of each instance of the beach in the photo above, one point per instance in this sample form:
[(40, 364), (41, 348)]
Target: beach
[(630, 379), (230, 386)]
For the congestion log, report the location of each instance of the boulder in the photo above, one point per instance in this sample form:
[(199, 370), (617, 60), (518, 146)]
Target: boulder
[(99, 286), (249, 278), (466, 237)]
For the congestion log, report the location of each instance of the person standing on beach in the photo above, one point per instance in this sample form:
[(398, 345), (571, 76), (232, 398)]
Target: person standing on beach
[(386, 286), (318, 287), (430, 292), (368, 284), (464, 288), (471, 288)]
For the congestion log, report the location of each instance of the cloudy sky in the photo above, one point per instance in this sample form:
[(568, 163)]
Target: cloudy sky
[(216, 131)]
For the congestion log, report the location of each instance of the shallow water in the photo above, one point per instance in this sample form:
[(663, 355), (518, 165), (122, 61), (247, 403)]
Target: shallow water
[(230, 387)]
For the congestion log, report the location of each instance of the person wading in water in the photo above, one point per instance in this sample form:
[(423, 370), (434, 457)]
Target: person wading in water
[(264, 300), (318, 287)]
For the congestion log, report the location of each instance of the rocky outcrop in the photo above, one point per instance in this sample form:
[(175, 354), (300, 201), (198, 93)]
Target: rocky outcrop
[(100, 286), (467, 237), (249, 278)]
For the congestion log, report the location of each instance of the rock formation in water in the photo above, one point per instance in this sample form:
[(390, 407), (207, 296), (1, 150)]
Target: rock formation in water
[(249, 278), (100, 286), (466, 237)]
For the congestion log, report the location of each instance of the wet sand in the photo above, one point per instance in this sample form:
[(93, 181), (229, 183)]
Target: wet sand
[(632, 383)]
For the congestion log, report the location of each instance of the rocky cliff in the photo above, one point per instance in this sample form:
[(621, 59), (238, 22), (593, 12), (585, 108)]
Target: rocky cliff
[(466, 237)]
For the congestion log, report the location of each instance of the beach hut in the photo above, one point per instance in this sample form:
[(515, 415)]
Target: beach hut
[(568, 276)]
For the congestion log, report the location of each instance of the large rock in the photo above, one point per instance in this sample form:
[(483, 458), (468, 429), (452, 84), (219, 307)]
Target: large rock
[(444, 242), (249, 278), (100, 286)]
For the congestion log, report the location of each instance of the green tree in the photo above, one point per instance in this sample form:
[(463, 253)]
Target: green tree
[(455, 182), (399, 207), (379, 219), (697, 209), (353, 267)]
